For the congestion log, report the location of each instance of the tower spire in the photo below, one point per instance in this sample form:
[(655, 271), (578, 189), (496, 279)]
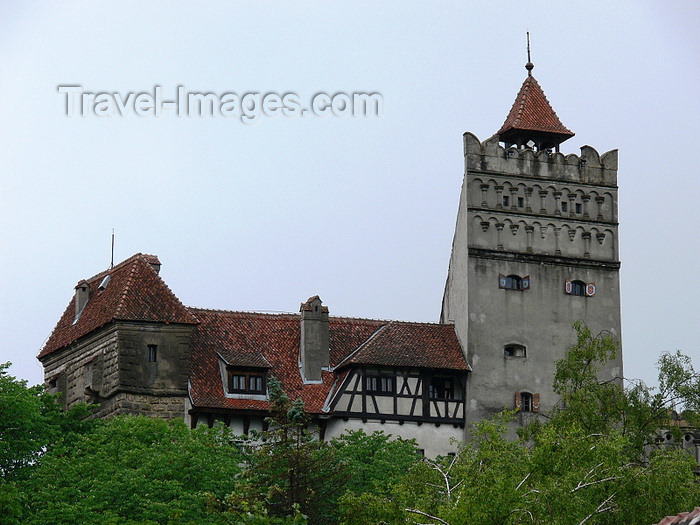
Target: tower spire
[(532, 122)]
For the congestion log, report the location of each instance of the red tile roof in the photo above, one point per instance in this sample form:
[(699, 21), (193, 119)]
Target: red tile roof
[(276, 339), (532, 111), (684, 518), (252, 340), (416, 345), (135, 292)]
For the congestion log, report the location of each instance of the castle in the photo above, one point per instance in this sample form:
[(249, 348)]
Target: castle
[(535, 249)]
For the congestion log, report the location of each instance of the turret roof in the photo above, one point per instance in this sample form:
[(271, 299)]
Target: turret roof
[(533, 118)]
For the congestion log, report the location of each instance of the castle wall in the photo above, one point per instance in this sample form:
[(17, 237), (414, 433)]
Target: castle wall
[(159, 406), (546, 218), (168, 374), (112, 367), (539, 318), (85, 369)]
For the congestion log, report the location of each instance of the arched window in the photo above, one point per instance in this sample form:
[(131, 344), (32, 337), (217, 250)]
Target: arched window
[(527, 402), (513, 282), (577, 287), (514, 351)]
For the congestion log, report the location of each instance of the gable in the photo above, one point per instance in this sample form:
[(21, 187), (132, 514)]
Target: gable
[(133, 292)]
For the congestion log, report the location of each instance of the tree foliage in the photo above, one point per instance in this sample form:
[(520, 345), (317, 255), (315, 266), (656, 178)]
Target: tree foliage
[(288, 468), (134, 469), (593, 459), (30, 420)]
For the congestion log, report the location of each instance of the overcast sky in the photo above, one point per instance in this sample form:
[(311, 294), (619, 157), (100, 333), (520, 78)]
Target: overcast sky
[(359, 210)]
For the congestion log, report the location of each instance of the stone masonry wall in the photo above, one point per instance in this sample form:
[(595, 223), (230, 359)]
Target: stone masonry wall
[(85, 370), (163, 407), (111, 367)]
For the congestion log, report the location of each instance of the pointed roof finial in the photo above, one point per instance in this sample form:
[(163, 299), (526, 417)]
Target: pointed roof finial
[(529, 66)]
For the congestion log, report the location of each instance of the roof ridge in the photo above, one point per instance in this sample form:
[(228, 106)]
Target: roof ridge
[(119, 266), (269, 313), (376, 333), (525, 90), (273, 313), (125, 291)]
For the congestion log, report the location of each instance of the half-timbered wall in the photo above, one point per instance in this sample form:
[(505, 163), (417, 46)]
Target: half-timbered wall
[(401, 394)]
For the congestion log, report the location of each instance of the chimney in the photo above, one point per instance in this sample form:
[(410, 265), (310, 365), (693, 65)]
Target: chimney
[(314, 339), (82, 294)]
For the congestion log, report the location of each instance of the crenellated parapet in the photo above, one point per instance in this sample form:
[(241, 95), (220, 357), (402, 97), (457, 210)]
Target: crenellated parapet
[(589, 167)]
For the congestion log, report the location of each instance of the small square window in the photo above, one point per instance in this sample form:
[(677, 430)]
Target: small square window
[(514, 351), (513, 282), (579, 208), (236, 383), (521, 202), (564, 206), (527, 402), (579, 288), (506, 201)]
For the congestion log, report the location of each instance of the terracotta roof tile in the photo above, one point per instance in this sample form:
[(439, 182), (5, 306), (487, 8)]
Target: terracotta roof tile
[(532, 111), (135, 292), (275, 337), (684, 518), (417, 345)]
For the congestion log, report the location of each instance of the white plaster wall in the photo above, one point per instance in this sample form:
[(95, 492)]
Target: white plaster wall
[(434, 440)]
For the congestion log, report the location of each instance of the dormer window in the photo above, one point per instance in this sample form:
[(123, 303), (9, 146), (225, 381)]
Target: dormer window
[(245, 382)]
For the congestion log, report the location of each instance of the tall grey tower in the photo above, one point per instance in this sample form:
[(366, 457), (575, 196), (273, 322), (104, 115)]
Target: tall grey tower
[(535, 249)]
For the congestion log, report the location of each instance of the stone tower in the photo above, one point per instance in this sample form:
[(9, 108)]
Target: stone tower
[(535, 249)]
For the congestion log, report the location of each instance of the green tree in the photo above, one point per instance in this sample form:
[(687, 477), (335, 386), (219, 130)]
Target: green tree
[(30, 421), (134, 470), (374, 460), (289, 469), (590, 461)]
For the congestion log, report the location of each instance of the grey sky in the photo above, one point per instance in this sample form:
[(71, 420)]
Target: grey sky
[(360, 211)]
